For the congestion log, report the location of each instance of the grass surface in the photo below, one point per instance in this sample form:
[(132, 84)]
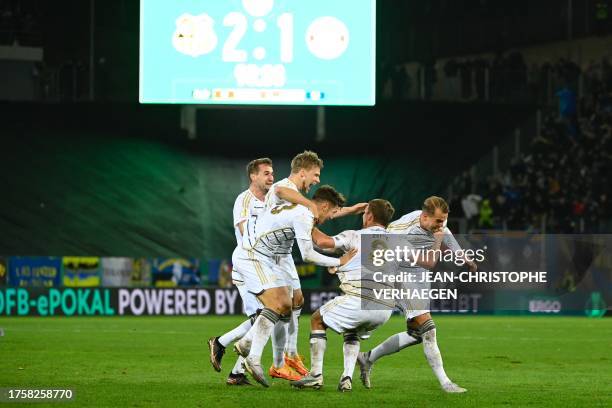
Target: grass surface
[(158, 361)]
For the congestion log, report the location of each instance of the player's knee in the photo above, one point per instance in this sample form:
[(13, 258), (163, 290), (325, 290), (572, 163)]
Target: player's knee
[(316, 316), (418, 331), (281, 305), (298, 300), (284, 308), (351, 338), (316, 321)]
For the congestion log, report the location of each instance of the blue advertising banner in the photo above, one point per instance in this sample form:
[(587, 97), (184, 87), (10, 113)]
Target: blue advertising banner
[(35, 271), (172, 272), (219, 272)]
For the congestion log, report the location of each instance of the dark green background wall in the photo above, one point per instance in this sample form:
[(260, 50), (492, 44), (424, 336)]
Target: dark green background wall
[(123, 180)]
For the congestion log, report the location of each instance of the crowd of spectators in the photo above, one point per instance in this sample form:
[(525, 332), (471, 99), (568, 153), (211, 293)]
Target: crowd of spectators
[(563, 179), (20, 23)]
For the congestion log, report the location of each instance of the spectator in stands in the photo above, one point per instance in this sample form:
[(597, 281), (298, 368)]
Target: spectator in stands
[(485, 219), (567, 110), (470, 204)]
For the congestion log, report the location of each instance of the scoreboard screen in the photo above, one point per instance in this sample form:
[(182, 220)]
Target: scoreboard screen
[(257, 52)]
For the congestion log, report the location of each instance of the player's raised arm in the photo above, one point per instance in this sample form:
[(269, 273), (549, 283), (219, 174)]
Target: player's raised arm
[(358, 208), (322, 240), (429, 258), (449, 242), (295, 197), (342, 242), (310, 255)]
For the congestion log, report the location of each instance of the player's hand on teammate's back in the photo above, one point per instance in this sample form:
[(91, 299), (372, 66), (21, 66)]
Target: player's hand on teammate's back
[(332, 270), (347, 256)]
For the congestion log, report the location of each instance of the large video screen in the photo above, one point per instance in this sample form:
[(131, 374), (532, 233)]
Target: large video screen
[(258, 52)]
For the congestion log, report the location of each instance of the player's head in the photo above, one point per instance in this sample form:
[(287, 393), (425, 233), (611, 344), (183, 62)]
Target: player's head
[(261, 173), (378, 212), (328, 201), (306, 167), (435, 213)]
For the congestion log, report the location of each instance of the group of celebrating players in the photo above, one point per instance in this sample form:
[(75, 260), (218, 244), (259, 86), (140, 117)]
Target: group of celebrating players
[(268, 218)]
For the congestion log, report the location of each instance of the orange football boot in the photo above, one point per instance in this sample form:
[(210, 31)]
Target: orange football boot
[(285, 373), (297, 363)]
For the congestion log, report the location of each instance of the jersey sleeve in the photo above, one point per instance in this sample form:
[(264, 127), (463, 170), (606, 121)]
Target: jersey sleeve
[(241, 208), (345, 240), (450, 241), (311, 256), (270, 199)]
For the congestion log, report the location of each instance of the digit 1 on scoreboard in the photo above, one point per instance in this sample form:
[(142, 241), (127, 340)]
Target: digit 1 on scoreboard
[(285, 23)]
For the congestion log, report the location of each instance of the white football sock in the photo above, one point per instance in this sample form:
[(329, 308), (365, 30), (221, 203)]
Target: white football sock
[(235, 334), (351, 350), (318, 342), (293, 328), (238, 369), (392, 345), (262, 329), (279, 340), (248, 337), (434, 358)]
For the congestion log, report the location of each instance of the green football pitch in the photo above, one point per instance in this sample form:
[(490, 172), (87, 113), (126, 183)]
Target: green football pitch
[(159, 361)]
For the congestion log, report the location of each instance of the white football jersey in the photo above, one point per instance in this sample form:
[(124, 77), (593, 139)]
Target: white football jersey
[(245, 206), (272, 199), (357, 275), (409, 225), (419, 237), (354, 274), (273, 232)]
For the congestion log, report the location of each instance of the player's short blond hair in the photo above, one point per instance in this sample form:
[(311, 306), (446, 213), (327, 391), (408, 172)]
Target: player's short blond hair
[(306, 160), (253, 166), (434, 202), (381, 210)]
